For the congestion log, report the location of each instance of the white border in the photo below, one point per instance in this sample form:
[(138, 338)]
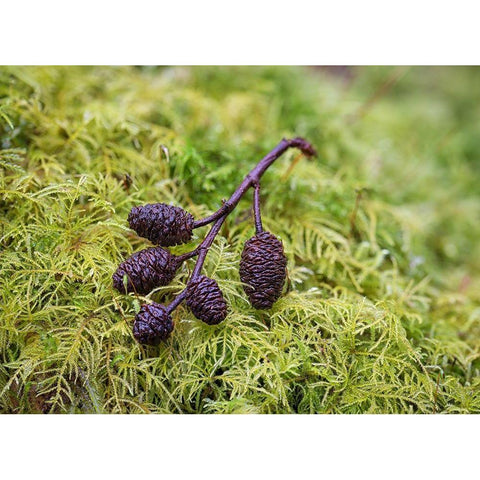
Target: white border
[(246, 447), (248, 32)]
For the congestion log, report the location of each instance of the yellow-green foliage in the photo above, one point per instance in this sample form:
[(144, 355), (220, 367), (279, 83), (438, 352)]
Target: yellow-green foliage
[(381, 233)]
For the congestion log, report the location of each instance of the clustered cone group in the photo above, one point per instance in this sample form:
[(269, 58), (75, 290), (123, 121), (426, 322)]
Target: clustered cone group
[(263, 264)]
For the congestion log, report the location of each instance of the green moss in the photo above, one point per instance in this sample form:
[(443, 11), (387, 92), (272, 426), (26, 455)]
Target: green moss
[(381, 233)]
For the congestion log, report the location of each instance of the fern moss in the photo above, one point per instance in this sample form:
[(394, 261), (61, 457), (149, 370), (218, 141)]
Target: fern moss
[(381, 234)]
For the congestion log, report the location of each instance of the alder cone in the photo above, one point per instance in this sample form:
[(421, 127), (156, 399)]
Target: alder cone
[(205, 300), (162, 224), (263, 268), (152, 324), (145, 270)]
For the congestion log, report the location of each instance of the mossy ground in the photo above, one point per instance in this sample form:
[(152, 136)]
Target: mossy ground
[(381, 233)]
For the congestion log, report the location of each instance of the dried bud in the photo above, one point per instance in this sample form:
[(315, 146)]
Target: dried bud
[(145, 270), (162, 224), (152, 324), (263, 268), (205, 300)]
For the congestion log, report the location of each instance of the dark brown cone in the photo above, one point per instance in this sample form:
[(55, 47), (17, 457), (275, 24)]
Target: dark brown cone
[(205, 300), (263, 268), (152, 324), (146, 270), (162, 224)]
